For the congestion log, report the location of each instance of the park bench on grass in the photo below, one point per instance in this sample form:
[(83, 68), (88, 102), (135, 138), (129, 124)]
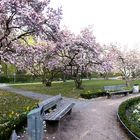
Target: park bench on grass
[(50, 110), (116, 90)]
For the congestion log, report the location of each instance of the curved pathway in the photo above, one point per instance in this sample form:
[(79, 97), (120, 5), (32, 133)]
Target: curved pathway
[(90, 120)]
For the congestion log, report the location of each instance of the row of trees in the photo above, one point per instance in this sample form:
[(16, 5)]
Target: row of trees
[(71, 55), (63, 51)]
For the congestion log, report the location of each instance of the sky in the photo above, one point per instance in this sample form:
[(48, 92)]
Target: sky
[(112, 20)]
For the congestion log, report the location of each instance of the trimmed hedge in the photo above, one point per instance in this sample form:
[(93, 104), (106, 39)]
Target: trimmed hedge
[(122, 111), (92, 94)]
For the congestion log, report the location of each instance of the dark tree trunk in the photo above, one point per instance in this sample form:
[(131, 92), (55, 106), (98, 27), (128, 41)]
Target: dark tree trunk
[(78, 82), (128, 80), (105, 75), (64, 77), (47, 82)]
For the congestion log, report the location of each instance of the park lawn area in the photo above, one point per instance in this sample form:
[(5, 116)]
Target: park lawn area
[(12, 104), (67, 89)]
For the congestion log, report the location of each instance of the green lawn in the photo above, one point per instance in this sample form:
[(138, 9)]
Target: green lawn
[(68, 88), (12, 104)]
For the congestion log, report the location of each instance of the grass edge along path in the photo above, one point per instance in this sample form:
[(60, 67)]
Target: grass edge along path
[(67, 89)]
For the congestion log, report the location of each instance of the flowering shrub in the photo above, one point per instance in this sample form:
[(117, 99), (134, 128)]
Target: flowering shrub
[(13, 111), (129, 112), (134, 114)]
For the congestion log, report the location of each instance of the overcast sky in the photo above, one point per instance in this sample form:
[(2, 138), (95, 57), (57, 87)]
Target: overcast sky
[(112, 20)]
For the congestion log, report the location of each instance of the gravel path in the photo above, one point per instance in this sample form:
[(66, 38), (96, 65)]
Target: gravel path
[(90, 119)]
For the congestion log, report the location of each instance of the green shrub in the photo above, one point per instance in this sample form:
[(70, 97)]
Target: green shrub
[(123, 109), (92, 94), (13, 124), (4, 79)]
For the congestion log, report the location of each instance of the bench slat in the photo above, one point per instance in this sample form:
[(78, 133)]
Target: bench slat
[(114, 87), (51, 99), (122, 91), (50, 102), (61, 111)]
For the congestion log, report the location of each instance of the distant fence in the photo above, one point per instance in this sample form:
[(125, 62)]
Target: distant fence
[(22, 78), (19, 78)]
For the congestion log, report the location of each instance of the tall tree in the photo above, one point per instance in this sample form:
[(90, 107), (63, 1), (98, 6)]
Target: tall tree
[(127, 62), (107, 58), (79, 53)]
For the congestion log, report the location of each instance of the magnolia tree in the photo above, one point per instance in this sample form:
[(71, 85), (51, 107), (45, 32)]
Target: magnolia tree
[(36, 60), (127, 62), (78, 54), (107, 57), (21, 18)]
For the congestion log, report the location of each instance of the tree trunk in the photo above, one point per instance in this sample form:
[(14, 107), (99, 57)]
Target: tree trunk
[(64, 77), (89, 76), (47, 82), (105, 75), (128, 81), (78, 82)]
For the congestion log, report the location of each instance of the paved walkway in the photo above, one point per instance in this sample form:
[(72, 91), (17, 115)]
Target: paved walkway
[(90, 120)]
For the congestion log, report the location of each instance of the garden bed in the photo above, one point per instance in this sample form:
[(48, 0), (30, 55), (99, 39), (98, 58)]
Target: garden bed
[(13, 112), (129, 116)]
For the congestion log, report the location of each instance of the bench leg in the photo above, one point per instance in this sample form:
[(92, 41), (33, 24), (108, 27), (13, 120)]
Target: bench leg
[(52, 126), (126, 93), (69, 111), (52, 123), (108, 96)]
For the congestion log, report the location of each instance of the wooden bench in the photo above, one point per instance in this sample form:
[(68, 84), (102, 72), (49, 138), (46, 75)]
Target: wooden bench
[(50, 110), (116, 90), (54, 109)]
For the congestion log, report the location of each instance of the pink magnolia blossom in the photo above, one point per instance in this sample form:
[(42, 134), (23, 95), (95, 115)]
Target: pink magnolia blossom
[(21, 18), (127, 63)]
